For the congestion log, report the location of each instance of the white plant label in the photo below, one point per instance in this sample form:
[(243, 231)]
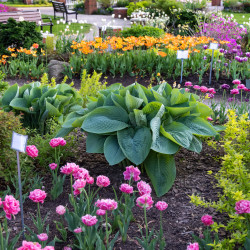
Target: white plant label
[(19, 142), (213, 46), (182, 54)]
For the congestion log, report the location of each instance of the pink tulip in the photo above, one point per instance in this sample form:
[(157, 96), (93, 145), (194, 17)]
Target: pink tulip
[(234, 91), (32, 151), (106, 204), (11, 206), (102, 181), (144, 188), (194, 246), (53, 166), (236, 81), (144, 201), (125, 188), (161, 205), (100, 212), (242, 207), (89, 220), (132, 172), (38, 195), (207, 220), (61, 210), (42, 237), (78, 230), (28, 245), (69, 168)]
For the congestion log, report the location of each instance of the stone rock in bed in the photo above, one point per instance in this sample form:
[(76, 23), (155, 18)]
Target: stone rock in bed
[(56, 68)]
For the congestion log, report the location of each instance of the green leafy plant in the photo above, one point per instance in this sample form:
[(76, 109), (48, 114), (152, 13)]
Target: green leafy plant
[(3, 85), (139, 30), (144, 126), (233, 180), (122, 3), (38, 103), (138, 5)]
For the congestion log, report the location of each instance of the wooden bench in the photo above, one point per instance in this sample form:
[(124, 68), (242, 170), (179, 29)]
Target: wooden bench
[(61, 8), (30, 16)]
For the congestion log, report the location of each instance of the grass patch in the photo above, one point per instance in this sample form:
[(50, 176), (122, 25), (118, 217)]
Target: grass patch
[(239, 17), (73, 27), (20, 5)]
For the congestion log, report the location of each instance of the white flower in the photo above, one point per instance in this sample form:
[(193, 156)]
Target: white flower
[(113, 15), (67, 26), (119, 16), (81, 27), (56, 22), (21, 18), (125, 19), (39, 23), (69, 23)]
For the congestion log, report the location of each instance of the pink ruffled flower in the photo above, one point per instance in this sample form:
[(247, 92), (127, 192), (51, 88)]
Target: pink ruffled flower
[(100, 212), (28, 245), (207, 220), (203, 89), (78, 186), (241, 86), (78, 230), (209, 118), (144, 188), (144, 201), (67, 248), (125, 188), (82, 173), (61, 210), (234, 91), (11, 206), (187, 90), (32, 151), (197, 87), (55, 142), (53, 166), (90, 180), (132, 172), (211, 91), (42, 237), (48, 248), (89, 220), (69, 168), (236, 81), (194, 246), (242, 207), (161, 205), (38, 195), (188, 84), (106, 204), (102, 181), (1, 202)]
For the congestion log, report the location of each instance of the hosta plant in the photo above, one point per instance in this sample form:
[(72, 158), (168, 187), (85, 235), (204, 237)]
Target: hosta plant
[(38, 103), (143, 126)]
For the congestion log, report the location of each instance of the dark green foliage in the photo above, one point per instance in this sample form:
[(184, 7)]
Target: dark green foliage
[(122, 3), (18, 34), (139, 30), (167, 5)]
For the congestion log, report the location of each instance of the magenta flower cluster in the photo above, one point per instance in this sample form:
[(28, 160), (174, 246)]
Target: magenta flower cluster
[(3, 8)]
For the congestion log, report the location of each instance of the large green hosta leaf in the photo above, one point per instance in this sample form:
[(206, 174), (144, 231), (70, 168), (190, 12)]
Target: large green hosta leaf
[(20, 104), (105, 120), (112, 150), (161, 171), (10, 94), (135, 143), (95, 143), (195, 145), (177, 97), (132, 102)]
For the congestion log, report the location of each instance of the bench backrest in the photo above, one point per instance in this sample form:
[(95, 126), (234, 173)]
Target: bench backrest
[(59, 7), (31, 16)]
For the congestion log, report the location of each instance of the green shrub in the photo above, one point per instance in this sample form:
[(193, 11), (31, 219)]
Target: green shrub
[(168, 5), (90, 86), (3, 85), (122, 3), (8, 123), (18, 34), (139, 30), (233, 180), (230, 3), (136, 6), (38, 103), (105, 3), (80, 7), (143, 126)]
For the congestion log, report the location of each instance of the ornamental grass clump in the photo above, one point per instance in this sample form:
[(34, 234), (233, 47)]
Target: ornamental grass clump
[(143, 126)]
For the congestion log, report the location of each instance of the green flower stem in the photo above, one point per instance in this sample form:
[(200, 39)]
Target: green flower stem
[(1, 236), (87, 198), (146, 222), (107, 232), (39, 219), (71, 183)]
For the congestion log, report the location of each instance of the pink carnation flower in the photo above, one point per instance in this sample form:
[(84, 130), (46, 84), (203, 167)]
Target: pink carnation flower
[(106, 204), (132, 172), (145, 201), (61, 210), (144, 188), (100, 212), (90, 180), (211, 91), (53, 166), (234, 91), (69, 168), (78, 186), (203, 89), (194, 246), (102, 181), (32, 151), (28, 245), (161, 205), (42, 237), (197, 87), (241, 86), (207, 220), (242, 207), (236, 81), (188, 84), (48, 248), (11, 206), (78, 230), (209, 118), (125, 188), (38, 195), (55, 142), (82, 173), (89, 220)]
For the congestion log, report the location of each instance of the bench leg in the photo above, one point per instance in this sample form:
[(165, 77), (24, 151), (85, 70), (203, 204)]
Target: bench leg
[(50, 29), (76, 16), (63, 15), (66, 18), (54, 15), (41, 28)]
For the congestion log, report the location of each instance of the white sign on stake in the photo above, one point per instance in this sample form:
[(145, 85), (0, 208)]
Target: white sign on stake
[(213, 46), (19, 142), (182, 54)]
